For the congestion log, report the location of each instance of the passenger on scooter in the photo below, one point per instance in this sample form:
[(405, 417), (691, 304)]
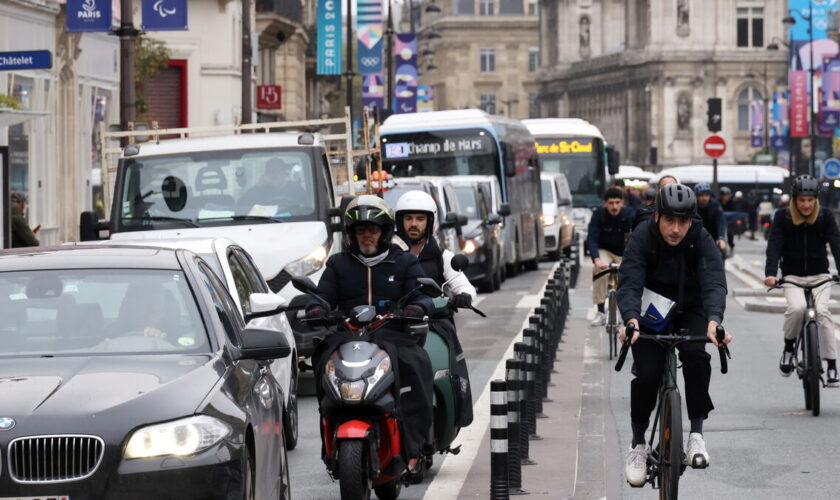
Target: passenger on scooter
[(417, 219), (372, 271)]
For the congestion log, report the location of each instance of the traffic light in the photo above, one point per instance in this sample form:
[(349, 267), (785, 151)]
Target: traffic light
[(715, 114)]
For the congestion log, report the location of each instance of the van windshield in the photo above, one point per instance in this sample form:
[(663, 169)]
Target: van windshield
[(217, 187)]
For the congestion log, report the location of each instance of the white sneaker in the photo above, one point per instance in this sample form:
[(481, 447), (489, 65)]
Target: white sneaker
[(635, 467), (598, 320), (696, 455)]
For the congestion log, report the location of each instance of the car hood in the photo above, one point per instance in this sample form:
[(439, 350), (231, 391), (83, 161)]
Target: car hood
[(147, 388), (272, 246)]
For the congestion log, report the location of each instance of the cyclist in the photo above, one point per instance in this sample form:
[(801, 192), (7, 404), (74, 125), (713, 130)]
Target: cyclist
[(608, 231), (646, 211), (711, 213), (672, 256), (798, 237)]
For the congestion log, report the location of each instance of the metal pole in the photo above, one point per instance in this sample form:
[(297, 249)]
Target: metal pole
[(811, 71), (766, 111), (411, 15), (247, 64), (389, 55), (349, 73), (127, 34), (715, 177)]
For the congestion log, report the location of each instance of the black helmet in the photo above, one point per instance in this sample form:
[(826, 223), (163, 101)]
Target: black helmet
[(676, 200), (650, 194), (725, 191), (805, 185), (369, 209)]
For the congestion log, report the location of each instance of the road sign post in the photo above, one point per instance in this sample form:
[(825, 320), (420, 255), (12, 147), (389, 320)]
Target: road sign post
[(714, 147)]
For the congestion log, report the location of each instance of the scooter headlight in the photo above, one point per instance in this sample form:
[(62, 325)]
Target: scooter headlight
[(329, 373), (352, 391), (382, 369)]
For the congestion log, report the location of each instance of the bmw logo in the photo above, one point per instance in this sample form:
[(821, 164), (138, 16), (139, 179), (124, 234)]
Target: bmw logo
[(6, 423)]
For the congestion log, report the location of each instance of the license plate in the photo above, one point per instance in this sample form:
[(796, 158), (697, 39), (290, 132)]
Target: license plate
[(48, 497)]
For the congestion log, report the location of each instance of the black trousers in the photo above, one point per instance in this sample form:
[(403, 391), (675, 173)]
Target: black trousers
[(649, 365)]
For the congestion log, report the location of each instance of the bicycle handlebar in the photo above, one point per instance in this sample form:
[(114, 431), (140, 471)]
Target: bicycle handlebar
[(613, 269), (675, 339), (782, 281)]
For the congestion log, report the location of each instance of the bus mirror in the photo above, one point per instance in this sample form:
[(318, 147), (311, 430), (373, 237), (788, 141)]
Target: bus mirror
[(504, 210), (613, 160)]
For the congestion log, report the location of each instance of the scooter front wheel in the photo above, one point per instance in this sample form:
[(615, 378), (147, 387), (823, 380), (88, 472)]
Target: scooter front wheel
[(353, 470)]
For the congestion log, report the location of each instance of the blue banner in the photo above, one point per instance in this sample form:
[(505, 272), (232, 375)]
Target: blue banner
[(405, 80), (165, 15), (329, 37), (369, 32), (818, 11), (370, 60), (30, 59), (88, 15)]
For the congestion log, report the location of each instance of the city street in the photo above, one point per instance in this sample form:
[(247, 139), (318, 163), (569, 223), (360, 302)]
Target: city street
[(761, 441)]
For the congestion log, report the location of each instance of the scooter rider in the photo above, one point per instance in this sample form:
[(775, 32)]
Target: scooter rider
[(373, 271), (417, 218), (798, 237), (671, 256)]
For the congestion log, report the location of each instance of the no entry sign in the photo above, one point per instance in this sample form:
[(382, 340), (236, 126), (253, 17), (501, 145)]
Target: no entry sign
[(714, 146)]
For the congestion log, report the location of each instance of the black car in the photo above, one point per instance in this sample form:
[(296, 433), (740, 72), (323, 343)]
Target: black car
[(128, 373), (482, 234)]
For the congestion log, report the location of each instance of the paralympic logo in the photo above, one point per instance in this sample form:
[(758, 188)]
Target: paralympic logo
[(160, 9)]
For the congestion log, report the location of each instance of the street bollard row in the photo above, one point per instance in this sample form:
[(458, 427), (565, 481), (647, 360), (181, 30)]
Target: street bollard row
[(525, 388)]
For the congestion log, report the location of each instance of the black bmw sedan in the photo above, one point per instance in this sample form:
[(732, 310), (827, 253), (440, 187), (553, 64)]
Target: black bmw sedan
[(128, 373)]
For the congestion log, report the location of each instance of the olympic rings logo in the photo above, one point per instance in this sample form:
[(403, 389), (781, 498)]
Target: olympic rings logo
[(369, 61)]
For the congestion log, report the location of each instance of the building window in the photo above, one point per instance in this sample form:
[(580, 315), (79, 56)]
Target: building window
[(533, 105), (750, 26), (746, 96), (533, 8), (488, 60), (533, 59), (485, 7), (488, 103)]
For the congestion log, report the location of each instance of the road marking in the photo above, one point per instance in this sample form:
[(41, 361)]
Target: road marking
[(529, 302), (452, 475)]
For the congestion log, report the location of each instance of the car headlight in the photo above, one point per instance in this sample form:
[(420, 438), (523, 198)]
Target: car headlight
[(382, 368), (182, 437), (473, 244), (548, 220), (309, 264), (352, 391)]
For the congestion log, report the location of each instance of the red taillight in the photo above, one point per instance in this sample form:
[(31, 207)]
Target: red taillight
[(738, 222), (766, 224)]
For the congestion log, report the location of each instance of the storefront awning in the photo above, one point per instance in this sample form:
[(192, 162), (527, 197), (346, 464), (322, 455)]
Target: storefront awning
[(9, 117)]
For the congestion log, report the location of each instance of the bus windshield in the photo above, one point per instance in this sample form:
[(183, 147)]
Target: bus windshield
[(578, 158), (443, 152)]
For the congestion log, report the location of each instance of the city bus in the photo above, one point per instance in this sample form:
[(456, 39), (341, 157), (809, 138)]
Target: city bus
[(576, 148), (755, 181), (471, 142)]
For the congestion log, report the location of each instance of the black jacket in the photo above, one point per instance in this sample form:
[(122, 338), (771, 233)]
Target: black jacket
[(713, 219), (347, 282), (608, 232), (650, 262), (22, 236), (431, 259), (801, 248)]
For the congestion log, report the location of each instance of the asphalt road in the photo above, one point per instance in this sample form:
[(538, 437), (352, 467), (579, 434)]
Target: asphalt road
[(484, 340)]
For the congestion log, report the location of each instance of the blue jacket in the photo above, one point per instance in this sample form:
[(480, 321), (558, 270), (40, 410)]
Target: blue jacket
[(607, 231)]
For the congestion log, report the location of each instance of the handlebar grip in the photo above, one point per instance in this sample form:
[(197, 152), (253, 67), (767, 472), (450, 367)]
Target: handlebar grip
[(622, 355), (720, 333)]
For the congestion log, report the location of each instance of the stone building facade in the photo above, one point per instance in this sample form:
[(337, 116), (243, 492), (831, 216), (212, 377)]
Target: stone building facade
[(487, 55), (642, 71)]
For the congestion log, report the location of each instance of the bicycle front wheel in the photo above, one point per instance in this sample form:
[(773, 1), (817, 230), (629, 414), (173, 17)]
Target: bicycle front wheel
[(811, 382), (670, 446)]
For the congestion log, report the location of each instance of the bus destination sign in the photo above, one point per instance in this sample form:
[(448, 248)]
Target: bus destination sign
[(565, 146), (437, 146)]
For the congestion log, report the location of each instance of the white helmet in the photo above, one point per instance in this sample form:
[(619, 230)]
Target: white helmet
[(785, 198), (417, 202), (739, 194)]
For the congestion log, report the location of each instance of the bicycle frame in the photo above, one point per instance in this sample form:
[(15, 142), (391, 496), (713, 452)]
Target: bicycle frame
[(612, 313)]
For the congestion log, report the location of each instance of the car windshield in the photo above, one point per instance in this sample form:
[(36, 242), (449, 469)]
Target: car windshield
[(547, 192), (393, 194), (217, 187), (468, 202), (103, 311)]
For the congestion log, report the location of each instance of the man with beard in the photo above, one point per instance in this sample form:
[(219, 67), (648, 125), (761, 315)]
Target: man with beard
[(608, 231)]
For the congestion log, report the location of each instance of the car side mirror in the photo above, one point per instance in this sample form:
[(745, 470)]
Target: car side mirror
[(504, 210), (90, 229), (564, 202), (449, 221), (613, 160), (262, 344), (264, 305), (494, 219), (459, 262), (462, 220), (429, 286)]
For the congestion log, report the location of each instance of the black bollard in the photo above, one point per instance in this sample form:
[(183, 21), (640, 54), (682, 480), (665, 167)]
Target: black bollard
[(498, 440), (520, 352), (534, 400), (512, 377)]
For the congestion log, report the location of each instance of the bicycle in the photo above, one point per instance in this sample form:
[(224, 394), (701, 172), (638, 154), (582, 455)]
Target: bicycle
[(665, 462), (612, 307), (809, 369)]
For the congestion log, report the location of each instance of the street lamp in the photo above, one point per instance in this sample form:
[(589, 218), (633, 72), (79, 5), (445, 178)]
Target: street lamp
[(789, 23)]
